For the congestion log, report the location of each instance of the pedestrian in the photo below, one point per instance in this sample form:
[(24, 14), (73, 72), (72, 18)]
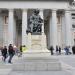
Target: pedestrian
[(51, 49), (59, 50), (73, 49), (1, 49), (66, 50), (11, 52), (16, 50), (21, 50), (4, 53), (24, 48)]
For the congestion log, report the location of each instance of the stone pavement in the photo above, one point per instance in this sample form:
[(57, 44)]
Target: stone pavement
[(41, 73), (67, 62), (5, 67)]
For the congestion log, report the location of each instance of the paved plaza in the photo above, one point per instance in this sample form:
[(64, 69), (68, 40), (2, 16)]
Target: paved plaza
[(67, 63)]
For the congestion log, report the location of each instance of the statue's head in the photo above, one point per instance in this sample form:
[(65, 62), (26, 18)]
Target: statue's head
[(36, 11)]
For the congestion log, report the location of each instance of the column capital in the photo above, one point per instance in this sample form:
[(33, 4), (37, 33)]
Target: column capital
[(67, 11), (11, 10), (24, 9), (41, 9), (54, 10)]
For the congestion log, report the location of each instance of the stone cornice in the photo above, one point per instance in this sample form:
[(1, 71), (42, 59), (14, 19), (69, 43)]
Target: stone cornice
[(39, 0), (70, 1)]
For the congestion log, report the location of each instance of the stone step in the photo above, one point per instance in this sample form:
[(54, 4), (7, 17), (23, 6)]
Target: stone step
[(37, 64), (37, 52), (40, 73), (37, 59), (5, 66), (5, 71)]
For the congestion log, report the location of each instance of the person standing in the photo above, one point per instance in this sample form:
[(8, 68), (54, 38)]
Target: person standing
[(21, 50), (4, 53), (51, 49), (11, 52), (73, 49), (1, 49), (59, 50)]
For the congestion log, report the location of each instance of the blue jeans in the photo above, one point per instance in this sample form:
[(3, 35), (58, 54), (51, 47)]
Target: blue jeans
[(67, 52), (10, 57)]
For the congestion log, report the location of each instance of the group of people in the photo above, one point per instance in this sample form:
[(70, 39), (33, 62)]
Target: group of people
[(9, 51), (12, 50), (58, 50), (68, 50)]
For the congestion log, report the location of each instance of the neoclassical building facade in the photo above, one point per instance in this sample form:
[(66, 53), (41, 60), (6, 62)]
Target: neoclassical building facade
[(58, 27)]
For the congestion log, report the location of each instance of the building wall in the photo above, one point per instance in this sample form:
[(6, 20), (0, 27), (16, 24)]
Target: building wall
[(30, 5), (1, 30)]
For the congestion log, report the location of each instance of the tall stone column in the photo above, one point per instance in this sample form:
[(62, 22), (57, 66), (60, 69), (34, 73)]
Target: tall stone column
[(42, 16), (15, 32), (50, 31), (43, 37), (68, 27), (11, 27), (53, 28), (24, 27), (63, 30)]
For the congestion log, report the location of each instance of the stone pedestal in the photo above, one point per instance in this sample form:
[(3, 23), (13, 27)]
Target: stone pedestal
[(37, 57), (37, 43), (43, 42), (29, 41)]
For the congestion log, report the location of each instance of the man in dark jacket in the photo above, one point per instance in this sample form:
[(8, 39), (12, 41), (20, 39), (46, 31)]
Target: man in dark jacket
[(4, 53), (11, 53)]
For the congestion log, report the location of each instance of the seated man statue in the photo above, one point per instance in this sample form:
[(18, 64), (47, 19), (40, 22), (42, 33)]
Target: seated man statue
[(35, 22)]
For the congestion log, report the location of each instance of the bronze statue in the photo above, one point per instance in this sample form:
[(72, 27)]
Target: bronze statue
[(35, 22)]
